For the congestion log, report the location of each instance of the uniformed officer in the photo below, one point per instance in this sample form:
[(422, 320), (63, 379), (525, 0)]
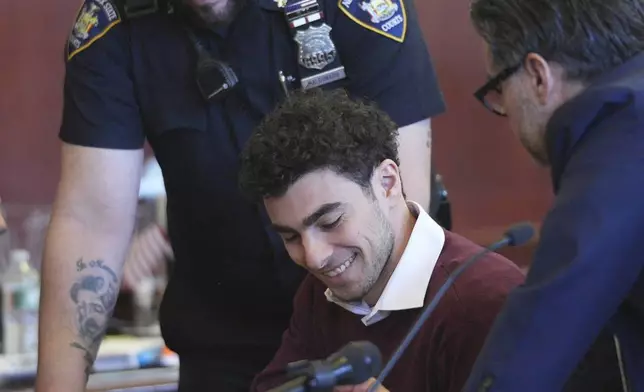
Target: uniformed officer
[(570, 79), (193, 78)]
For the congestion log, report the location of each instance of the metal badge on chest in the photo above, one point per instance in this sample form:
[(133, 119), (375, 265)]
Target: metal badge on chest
[(319, 62)]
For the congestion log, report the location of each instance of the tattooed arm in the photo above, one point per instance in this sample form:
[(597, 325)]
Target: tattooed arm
[(90, 230), (94, 295)]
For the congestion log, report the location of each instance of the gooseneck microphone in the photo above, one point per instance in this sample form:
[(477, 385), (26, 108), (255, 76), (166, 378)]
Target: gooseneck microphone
[(353, 364), (516, 235)]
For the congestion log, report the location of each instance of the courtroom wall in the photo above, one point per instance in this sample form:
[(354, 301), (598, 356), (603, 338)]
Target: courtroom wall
[(491, 180)]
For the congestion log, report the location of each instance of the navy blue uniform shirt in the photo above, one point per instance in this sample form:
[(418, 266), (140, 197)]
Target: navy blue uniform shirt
[(587, 272), (130, 81)]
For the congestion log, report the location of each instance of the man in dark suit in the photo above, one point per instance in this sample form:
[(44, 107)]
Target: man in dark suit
[(568, 76)]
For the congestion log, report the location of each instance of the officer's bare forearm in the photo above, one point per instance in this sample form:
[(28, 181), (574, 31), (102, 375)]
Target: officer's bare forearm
[(80, 283)]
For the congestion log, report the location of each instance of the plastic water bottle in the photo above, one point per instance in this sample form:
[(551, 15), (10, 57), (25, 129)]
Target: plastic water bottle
[(21, 297)]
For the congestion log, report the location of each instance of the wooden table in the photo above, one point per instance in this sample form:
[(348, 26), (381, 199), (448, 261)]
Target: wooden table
[(142, 380), (157, 379)]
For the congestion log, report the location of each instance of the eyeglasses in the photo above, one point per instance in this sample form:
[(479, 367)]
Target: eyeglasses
[(490, 93)]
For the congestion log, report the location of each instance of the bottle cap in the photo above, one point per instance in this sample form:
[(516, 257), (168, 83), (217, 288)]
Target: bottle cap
[(19, 256)]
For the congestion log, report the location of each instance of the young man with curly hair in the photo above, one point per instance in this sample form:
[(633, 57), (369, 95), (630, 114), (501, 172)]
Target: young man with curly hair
[(327, 171)]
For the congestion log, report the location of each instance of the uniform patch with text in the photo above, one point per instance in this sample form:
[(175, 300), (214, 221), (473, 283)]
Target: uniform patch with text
[(95, 19), (385, 17)]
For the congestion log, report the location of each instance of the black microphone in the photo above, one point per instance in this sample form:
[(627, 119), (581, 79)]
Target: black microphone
[(353, 364), (516, 235)]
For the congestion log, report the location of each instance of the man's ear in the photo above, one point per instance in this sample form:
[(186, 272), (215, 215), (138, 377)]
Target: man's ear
[(541, 77), (387, 179)]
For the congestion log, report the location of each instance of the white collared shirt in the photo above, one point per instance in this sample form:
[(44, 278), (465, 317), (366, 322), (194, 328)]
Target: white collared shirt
[(407, 286)]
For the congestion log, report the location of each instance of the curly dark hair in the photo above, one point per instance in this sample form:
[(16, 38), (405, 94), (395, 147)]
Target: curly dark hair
[(313, 130)]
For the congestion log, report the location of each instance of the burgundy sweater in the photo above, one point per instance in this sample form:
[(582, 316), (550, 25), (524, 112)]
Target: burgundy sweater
[(439, 359)]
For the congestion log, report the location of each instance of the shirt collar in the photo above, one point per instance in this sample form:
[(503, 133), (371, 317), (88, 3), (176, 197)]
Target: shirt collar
[(407, 286), (616, 89)]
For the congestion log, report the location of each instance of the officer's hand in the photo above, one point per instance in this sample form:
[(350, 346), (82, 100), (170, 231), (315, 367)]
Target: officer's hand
[(147, 256), (364, 387), (3, 223)]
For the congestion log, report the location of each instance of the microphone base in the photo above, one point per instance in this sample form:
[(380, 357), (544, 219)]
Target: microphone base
[(317, 376), (297, 384), (300, 384)]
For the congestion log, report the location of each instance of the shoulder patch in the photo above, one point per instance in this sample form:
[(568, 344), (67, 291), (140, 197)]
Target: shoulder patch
[(385, 17), (94, 20)]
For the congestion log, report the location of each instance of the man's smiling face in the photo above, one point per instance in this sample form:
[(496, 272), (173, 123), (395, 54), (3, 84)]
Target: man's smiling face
[(335, 229)]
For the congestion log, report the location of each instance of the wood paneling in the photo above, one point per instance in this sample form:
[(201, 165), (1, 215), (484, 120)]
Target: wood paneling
[(32, 36), (491, 181)]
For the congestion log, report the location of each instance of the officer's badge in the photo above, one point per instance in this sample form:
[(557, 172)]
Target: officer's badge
[(316, 49), (385, 17), (95, 18)]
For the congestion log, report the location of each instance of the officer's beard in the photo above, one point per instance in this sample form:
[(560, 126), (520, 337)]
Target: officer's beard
[(217, 12)]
